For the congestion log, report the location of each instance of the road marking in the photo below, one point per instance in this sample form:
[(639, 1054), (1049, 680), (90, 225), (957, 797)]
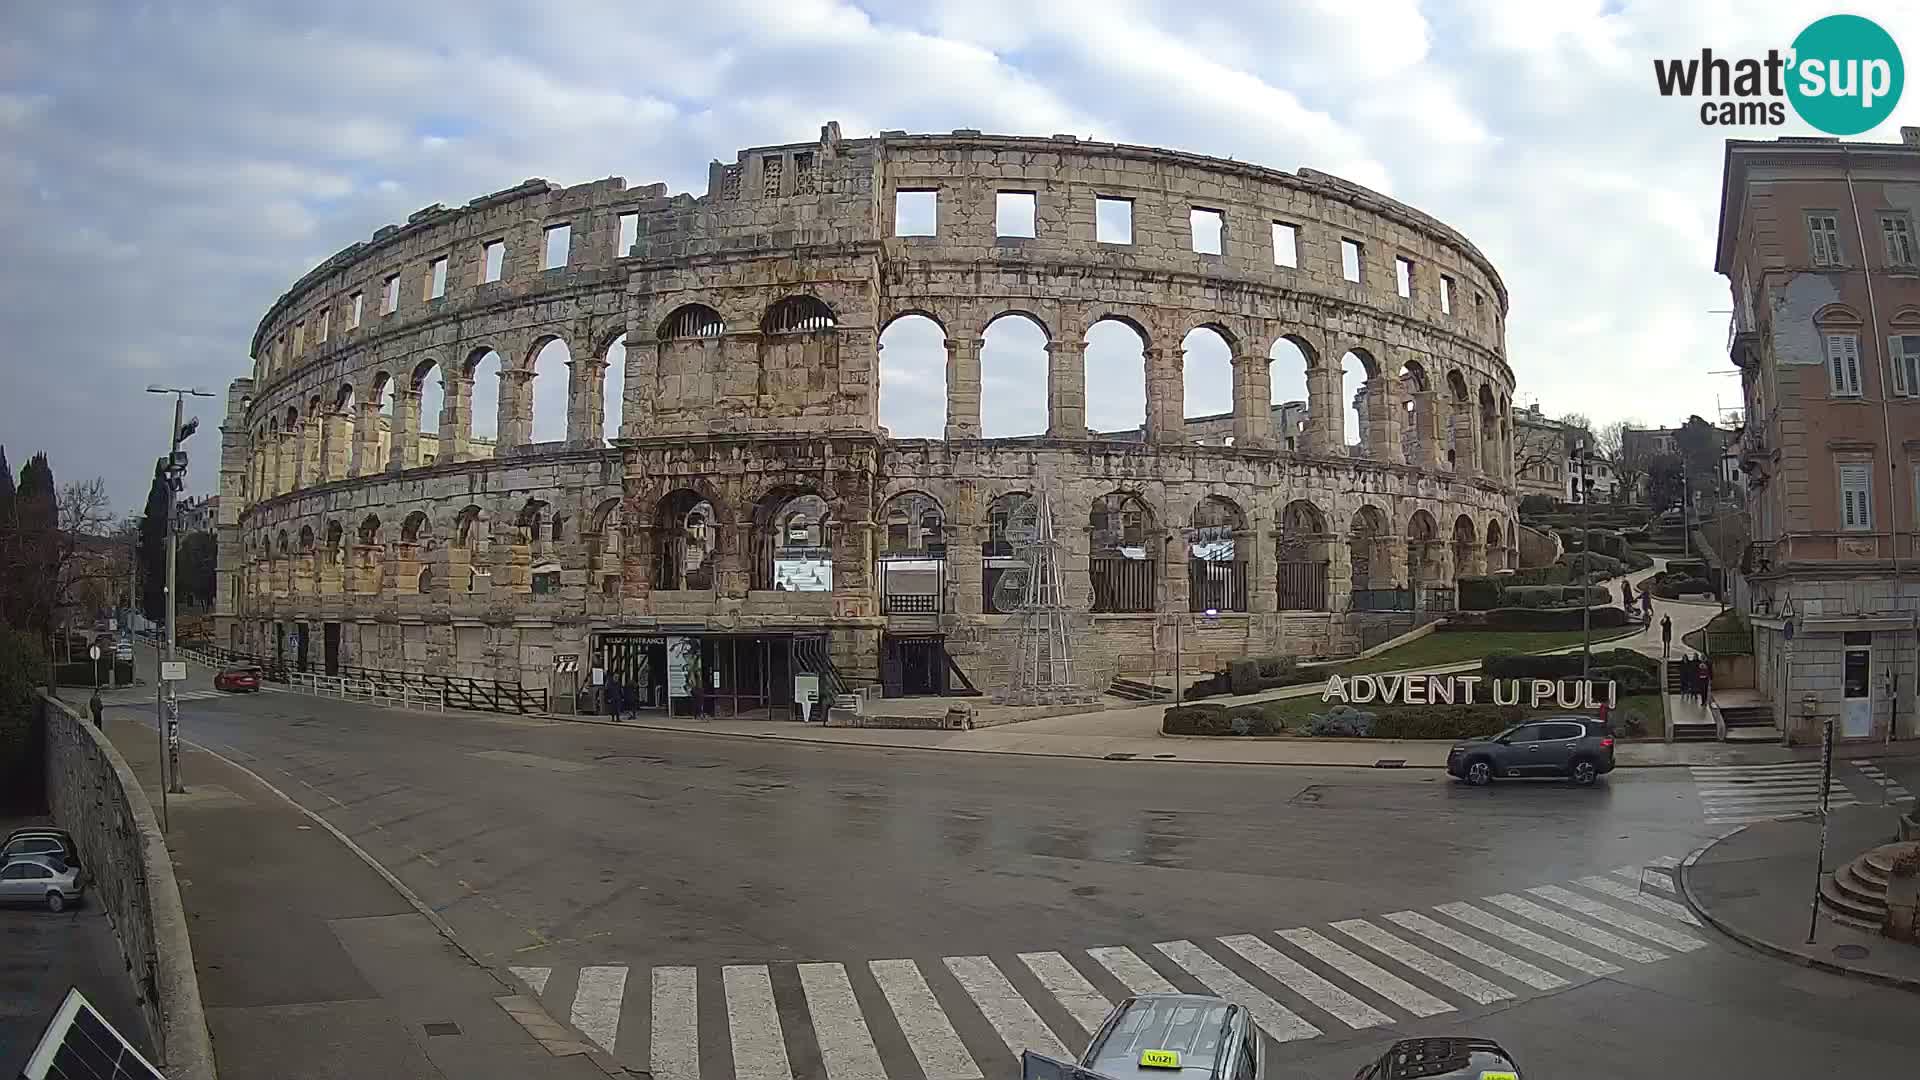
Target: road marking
[(846, 1046), (1018, 1025), (1451, 975), (1070, 988), (596, 1004), (1279, 1021), (1893, 790), (1366, 972), (534, 977), (1474, 949), (1677, 912), (1667, 861), (1134, 973), (1553, 920), (1514, 934), (676, 1024), (941, 1054), (759, 1050), (1613, 916)]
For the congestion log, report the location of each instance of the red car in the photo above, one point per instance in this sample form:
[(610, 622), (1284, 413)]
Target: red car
[(237, 679)]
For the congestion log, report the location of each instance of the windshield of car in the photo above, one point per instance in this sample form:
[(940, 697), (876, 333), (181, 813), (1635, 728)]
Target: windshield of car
[(1189, 1027)]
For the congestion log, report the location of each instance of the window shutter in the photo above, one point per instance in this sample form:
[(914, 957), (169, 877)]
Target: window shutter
[(1856, 494), (1899, 357), (1851, 345)]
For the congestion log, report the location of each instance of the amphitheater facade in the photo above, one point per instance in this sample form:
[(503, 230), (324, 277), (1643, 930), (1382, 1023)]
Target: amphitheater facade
[(752, 512)]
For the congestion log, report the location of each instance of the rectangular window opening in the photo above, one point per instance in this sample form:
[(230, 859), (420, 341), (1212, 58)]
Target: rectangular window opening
[(1823, 239), (1112, 220), (359, 305), (1446, 295), (916, 213), (299, 337), (1905, 350), (437, 278), (1209, 230), (629, 235), (1286, 244), (1350, 252), (493, 261), (1403, 276), (390, 295), (326, 318), (1899, 237), (559, 242), (1843, 364), (1856, 496), (1013, 213)]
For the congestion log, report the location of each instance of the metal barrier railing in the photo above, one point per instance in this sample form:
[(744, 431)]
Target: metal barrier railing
[(379, 686)]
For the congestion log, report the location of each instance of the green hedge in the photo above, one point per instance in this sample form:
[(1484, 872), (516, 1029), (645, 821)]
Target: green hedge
[(1220, 720), (1478, 593), (1536, 596), (1446, 721), (1513, 665), (22, 770), (1252, 675), (1534, 619), (1402, 722), (82, 673)]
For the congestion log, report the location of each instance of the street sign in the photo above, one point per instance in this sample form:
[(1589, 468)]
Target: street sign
[(173, 671), (566, 663), (93, 653), (123, 651)]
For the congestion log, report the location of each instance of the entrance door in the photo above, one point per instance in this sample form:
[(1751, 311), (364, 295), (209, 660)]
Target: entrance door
[(330, 647), (280, 644), (1856, 712), (300, 646), (913, 666)]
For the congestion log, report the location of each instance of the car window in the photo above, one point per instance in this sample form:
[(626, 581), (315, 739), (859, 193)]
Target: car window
[(1569, 731), (35, 872), (14, 873), (1525, 733)]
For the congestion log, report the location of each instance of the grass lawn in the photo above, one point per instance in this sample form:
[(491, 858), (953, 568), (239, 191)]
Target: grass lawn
[(1443, 647)]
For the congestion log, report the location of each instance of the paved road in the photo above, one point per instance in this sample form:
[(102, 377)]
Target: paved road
[(724, 907)]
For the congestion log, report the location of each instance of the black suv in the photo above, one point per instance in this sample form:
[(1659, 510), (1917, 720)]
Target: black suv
[(1579, 747)]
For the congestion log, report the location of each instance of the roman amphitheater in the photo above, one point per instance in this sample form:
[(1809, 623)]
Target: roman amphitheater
[(751, 508)]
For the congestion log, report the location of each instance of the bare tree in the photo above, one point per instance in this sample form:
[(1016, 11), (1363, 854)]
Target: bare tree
[(1539, 451)]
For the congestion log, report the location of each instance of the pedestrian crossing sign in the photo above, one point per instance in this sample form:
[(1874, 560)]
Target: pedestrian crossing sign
[(566, 663)]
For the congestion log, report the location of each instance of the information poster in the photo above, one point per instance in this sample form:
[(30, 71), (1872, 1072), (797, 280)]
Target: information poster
[(683, 662)]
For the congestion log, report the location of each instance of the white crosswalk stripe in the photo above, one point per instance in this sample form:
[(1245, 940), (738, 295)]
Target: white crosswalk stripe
[(1367, 973), (930, 1035), (846, 1046), (1737, 794), (1019, 1026), (1278, 1020), (1474, 949), (1298, 978), (1893, 789), (1677, 912), (759, 1051), (1089, 1006), (1445, 972), (1574, 928), (596, 1005), (1356, 972), (676, 1024), (1520, 936)]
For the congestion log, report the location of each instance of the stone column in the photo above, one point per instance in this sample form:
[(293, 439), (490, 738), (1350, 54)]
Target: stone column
[(286, 455), (733, 569), (1339, 574), (404, 453), (1383, 420), (1426, 429), (1175, 596), (966, 565), (516, 407), (366, 439), (1325, 432), (1166, 396), (1257, 559), (636, 396), (1067, 390), (313, 462), (1252, 403), (456, 417), (586, 401), (963, 387), (1466, 441), (301, 478)]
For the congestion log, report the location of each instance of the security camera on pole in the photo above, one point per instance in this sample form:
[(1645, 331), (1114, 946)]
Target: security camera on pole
[(171, 669)]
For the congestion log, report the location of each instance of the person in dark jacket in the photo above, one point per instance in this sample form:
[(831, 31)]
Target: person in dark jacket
[(1703, 678), (1666, 635), (616, 697), (1688, 670)]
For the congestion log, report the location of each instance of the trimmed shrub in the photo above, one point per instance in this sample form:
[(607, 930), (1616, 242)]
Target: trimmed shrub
[(1514, 665), (1250, 676), (1243, 676), (1534, 620), (1447, 721), (1196, 720), (1343, 721), (1627, 680), (1479, 593)]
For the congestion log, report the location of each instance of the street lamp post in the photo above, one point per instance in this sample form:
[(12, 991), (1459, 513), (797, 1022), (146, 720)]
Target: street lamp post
[(1586, 566), (176, 471)]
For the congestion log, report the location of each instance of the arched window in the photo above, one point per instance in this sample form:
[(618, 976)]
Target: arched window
[(798, 315), (1301, 557), (913, 562), (692, 321), (1422, 549), (1003, 567), (1366, 542), (1121, 544), (685, 533), (793, 532), (1216, 564)]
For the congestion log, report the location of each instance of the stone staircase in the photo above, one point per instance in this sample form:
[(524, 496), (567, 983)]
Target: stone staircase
[(1135, 690), (1856, 894), (1750, 723), (1682, 730)]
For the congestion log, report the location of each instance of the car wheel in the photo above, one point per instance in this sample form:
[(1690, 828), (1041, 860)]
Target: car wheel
[(1479, 772), (56, 903), (1585, 772)]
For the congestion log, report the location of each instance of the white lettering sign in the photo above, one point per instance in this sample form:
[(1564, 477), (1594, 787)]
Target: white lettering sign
[(173, 670)]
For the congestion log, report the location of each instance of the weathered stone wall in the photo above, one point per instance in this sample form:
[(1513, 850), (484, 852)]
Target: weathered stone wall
[(94, 796), (750, 318)]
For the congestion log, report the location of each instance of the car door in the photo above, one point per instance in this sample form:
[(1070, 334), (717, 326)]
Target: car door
[(1556, 746), (19, 882), (1516, 757)]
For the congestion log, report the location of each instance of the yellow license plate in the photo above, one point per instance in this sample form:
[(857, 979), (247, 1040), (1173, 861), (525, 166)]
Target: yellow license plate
[(1160, 1059), (1499, 1076)]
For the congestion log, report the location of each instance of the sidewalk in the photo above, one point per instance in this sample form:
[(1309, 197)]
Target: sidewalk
[(1756, 885), (312, 966)]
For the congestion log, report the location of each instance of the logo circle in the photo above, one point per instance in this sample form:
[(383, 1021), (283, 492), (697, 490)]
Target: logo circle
[(1847, 74)]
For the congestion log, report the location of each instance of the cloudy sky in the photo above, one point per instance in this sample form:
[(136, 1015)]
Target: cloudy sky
[(167, 169)]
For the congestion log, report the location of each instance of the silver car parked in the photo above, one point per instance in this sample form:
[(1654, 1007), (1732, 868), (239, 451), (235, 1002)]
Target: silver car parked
[(36, 879)]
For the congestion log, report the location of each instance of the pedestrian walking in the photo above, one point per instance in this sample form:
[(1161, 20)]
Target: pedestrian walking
[(1626, 596), (1666, 635), (1705, 680), (616, 696), (96, 706), (1646, 603), (1604, 714)]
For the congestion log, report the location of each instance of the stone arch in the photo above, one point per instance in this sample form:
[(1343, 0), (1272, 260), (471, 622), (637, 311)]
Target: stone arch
[(913, 377), (1013, 362), (798, 314), (613, 387), (1466, 548), (912, 523), (688, 531), (1368, 538), (413, 526), (1492, 452), (1216, 536), (1423, 549), (542, 400), (306, 539), (1123, 553), (1496, 546), (428, 383), (691, 321), (1461, 454), (794, 529), (1114, 366), (336, 542), (1290, 360), (1303, 555), (1206, 373), (606, 543), (998, 555)]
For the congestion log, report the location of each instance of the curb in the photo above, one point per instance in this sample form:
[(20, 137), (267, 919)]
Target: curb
[(1783, 952), (526, 1011)]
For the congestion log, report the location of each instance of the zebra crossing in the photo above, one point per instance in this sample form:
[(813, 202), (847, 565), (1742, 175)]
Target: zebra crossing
[(1738, 794), (1893, 791), (969, 1017)]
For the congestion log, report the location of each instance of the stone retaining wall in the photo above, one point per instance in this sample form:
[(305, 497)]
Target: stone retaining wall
[(93, 795)]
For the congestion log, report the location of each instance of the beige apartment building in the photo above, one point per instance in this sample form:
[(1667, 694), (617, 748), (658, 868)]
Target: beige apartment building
[(1817, 239)]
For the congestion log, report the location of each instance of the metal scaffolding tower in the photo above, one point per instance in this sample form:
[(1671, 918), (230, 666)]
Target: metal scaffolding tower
[(1043, 661)]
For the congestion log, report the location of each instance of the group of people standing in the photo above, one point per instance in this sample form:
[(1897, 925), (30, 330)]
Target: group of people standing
[(1696, 679), (1646, 601)]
